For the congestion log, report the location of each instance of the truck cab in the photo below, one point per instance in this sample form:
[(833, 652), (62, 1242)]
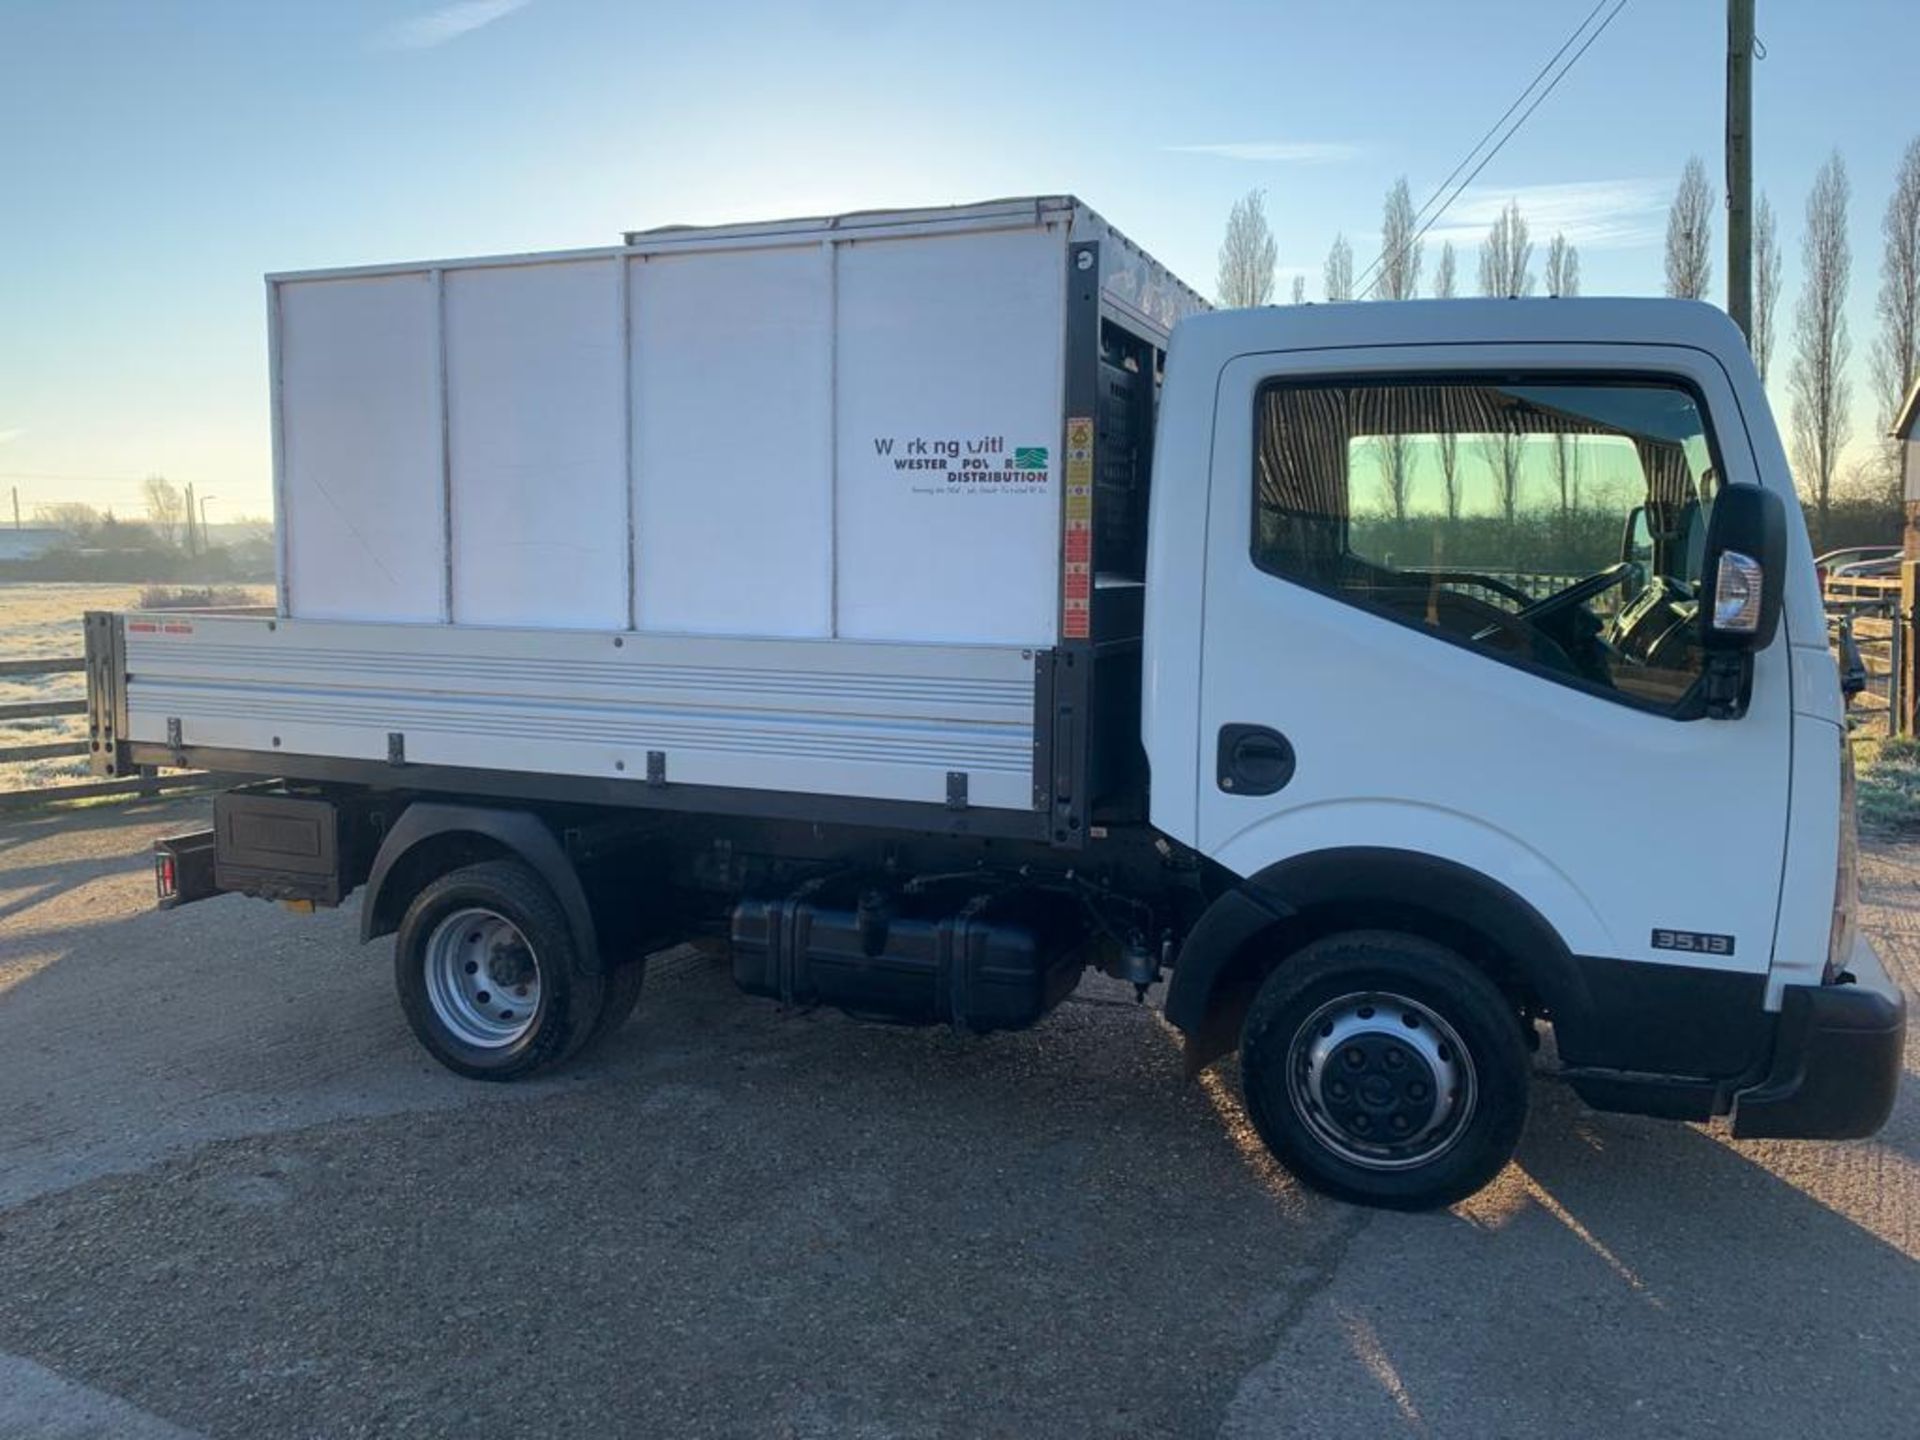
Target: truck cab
[(1444, 623)]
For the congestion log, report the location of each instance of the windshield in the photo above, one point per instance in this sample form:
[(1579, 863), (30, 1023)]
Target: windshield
[(1561, 525)]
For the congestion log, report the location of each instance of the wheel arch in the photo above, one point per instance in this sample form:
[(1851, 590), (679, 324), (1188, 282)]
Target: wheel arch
[(433, 837), (1253, 926)]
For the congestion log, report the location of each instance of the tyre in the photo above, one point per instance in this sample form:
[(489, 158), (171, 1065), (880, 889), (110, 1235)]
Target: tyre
[(623, 982), (489, 975), (1385, 1070)]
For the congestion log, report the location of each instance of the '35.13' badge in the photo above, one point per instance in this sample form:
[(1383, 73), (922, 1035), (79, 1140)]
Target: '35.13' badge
[(1693, 942)]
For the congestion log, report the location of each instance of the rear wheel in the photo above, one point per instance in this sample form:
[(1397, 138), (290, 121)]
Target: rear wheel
[(1385, 1070), (490, 977), (624, 979)]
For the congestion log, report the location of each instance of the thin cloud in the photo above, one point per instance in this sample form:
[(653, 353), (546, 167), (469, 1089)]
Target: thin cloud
[(1284, 152), (1593, 214), (14, 434), (449, 22)]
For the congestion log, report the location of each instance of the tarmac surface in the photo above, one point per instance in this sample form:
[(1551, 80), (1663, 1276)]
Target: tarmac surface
[(237, 1200)]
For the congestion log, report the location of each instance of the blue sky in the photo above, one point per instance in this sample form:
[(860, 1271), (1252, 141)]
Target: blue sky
[(160, 155)]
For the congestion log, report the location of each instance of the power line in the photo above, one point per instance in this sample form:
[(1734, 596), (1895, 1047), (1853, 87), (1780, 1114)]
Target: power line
[(1539, 100), (1467, 158), (69, 475), (1486, 160)]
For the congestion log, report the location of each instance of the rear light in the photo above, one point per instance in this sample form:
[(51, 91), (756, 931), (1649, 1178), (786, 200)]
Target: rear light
[(1846, 874), (183, 869)]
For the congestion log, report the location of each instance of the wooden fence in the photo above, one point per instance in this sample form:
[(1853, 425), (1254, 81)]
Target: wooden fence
[(1868, 628), (149, 781)]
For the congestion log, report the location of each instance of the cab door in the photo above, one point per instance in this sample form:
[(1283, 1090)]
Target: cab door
[(1372, 675)]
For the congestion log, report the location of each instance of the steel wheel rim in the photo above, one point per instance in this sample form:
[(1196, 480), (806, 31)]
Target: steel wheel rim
[(1355, 1076), (482, 978)]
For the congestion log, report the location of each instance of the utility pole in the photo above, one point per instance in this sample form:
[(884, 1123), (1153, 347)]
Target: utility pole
[(1740, 164), (190, 549)]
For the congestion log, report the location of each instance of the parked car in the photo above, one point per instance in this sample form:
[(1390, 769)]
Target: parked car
[(1857, 562)]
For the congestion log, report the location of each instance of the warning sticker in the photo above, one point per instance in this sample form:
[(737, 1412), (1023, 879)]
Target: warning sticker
[(1076, 607)]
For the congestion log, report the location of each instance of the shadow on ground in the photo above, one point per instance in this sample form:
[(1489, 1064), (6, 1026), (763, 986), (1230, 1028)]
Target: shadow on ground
[(248, 1206)]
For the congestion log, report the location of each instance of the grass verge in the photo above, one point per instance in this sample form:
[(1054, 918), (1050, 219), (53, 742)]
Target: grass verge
[(1888, 776)]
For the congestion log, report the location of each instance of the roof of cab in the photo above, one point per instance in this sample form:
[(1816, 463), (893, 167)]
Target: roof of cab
[(1908, 419), (1612, 320)]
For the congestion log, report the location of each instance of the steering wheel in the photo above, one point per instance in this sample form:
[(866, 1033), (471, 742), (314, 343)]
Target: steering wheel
[(1577, 593), (1479, 581)]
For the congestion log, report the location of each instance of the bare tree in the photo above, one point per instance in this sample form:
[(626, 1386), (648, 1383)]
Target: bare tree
[(1339, 276), (1399, 279), (1506, 256), (166, 507), (79, 520), (1400, 247), (1563, 279), (1563, 266), (1766, 285), (1444, 280), (1566, 476), (1299, 289), (1896, 350), (1450, 471), (1690, 233), (1396, 473), (1821, 346), (1503, 455), (1247, 254)]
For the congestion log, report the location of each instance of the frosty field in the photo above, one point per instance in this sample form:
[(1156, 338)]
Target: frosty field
[(44, 619)]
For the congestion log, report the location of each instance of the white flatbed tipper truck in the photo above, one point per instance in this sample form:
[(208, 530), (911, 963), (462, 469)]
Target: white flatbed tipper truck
[(938, 603)]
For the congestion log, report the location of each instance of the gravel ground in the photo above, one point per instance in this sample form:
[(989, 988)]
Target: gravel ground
[(235, 1200)]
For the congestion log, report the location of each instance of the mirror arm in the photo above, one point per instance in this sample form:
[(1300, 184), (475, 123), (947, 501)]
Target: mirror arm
[(1727, 684), (1853, 667)]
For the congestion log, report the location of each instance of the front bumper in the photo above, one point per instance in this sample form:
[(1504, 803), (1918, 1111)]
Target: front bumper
[(1837, 1056)]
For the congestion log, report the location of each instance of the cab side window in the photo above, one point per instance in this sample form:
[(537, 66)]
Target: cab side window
[(1548, 524)]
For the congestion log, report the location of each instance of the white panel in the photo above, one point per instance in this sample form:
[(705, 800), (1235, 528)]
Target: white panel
[(949, 363), (883, 722), (360, 436), (536, 438), (732, 397)]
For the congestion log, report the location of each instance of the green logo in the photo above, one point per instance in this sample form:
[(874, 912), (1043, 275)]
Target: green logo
[(1030, 457)]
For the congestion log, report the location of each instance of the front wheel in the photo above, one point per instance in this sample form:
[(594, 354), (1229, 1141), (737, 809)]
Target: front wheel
[(490, 977), (1385, 1070)]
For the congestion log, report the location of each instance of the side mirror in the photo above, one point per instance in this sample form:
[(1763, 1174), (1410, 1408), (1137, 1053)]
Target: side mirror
[(1743, 577), (1631, 542), (1742, 580), (1636, 549)]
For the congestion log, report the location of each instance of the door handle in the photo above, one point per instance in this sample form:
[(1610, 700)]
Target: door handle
[(1253, 760)]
